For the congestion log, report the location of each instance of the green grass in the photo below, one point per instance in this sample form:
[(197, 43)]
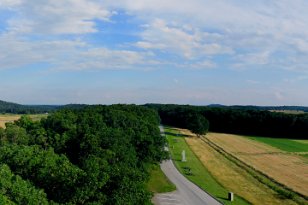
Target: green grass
[(199, 174), (287, 145), (158, 182), (37, 117)]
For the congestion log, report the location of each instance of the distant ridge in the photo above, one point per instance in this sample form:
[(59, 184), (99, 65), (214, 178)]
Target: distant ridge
[(254, 107), (14, 108)]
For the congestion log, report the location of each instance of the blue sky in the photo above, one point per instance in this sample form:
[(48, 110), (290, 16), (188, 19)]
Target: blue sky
[(152, 51)]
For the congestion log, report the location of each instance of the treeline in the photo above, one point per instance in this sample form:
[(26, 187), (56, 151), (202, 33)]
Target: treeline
[(239, 121), (94, 155), (14, 108), (253, 107)]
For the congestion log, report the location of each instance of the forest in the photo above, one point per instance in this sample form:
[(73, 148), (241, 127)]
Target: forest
[(14, 108), (92, 155), (237, 120)]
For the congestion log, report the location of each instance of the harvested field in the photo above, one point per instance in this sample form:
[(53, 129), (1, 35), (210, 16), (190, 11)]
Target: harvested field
[(7, 118), (4, 118), (284, 167), (231, 176)]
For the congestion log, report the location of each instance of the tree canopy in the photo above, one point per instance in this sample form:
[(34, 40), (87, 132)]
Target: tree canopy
[(92, 155)]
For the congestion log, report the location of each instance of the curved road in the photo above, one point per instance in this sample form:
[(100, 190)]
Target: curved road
[(187, 193)]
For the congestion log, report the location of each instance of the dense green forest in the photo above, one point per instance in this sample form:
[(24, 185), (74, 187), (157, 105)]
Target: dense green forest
[(8, 107), (237, 120), (94, 155)]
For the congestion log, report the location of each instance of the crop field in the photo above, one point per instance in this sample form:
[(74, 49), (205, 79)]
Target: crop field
[(284, 167), (4, 118), (7, 118), (232, 177)]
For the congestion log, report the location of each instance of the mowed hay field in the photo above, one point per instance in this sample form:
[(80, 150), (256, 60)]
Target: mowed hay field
[(4, 118), (231, 176), (285, 167)]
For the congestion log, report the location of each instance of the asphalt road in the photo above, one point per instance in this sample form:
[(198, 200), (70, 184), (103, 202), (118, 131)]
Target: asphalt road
[(187, 193)]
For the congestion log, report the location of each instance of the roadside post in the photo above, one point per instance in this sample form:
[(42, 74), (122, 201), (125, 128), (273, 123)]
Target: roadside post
[(230, 196), (183, 156)]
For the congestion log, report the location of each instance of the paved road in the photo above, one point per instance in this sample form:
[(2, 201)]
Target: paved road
[(187, 193)]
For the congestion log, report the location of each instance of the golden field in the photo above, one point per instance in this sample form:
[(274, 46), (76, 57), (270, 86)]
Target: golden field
[(4, 118), (7, 118), (231, 176), (286, 168)]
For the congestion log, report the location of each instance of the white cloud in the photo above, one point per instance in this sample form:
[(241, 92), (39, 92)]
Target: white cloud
[(239, 27), (58, 16), (183, 40), (68, 55), (9, 3)]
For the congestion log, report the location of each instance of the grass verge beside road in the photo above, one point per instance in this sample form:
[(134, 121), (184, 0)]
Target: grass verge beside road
[(194, 170), (158, 182)]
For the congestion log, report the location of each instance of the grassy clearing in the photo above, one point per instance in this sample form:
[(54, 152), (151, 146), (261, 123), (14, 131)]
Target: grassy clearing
[(276, 166), (198, 174), (295, 112), (4, 118), (287, 145), (158, 182)]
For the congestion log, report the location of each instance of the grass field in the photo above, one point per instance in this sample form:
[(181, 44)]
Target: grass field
[(4, 118), (158, 182), (287, 145), (199, 174), (284, 167)]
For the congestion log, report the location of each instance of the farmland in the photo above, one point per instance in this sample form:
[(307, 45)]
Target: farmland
[(232, 177), (199, 173), (284, 167), (4, 118)]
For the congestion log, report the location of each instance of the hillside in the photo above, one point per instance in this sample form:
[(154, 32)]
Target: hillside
[(14, 108)]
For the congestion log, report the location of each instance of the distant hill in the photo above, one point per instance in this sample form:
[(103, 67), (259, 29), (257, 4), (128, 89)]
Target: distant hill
[(9, 107), (271, 108)]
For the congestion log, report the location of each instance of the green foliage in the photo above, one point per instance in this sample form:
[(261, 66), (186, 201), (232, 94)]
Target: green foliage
[(238, 120), (18, 190), (14, 134), (94, 155), (197, 124), (47, 170)]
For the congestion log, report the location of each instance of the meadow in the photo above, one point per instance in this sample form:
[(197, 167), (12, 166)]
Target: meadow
[(287, 145)]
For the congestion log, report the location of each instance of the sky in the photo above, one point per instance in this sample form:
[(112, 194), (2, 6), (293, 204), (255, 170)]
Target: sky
[(198, 52)]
